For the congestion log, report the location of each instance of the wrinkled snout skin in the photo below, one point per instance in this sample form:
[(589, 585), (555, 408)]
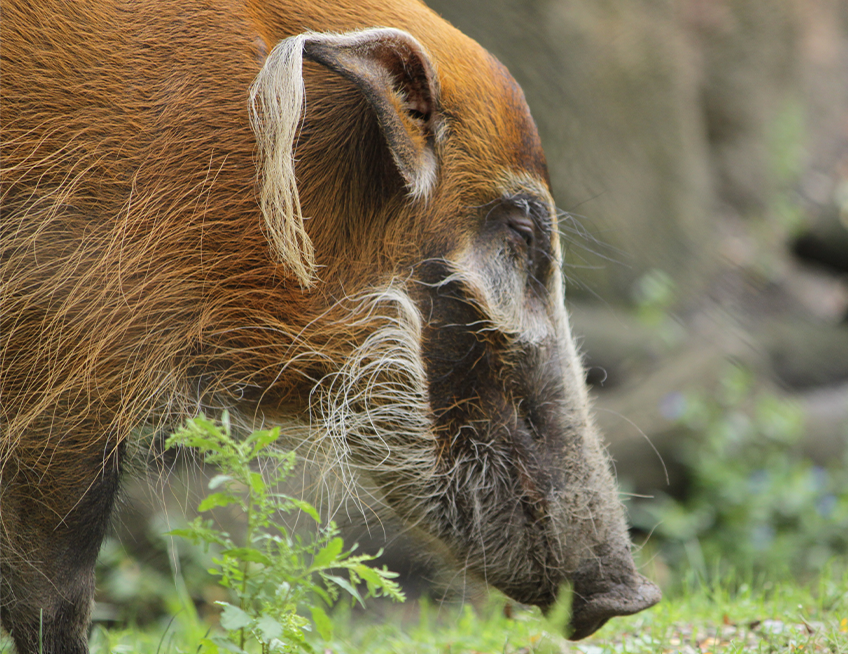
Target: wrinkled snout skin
[(526, 497), (334, 217)]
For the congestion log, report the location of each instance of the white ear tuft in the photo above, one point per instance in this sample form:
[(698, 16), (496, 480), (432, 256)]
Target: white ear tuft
[(276, 105), (395, 75)]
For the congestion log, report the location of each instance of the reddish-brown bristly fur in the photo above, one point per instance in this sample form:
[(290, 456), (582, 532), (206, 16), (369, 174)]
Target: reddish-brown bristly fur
[(400, 304)]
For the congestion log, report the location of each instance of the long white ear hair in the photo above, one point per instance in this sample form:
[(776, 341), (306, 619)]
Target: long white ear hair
[(392, 71), (276, 106)]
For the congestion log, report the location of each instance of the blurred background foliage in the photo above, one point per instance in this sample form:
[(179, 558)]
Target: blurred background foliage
[(699, 152)]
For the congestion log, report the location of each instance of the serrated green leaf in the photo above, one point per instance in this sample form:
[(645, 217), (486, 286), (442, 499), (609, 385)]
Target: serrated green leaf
[(380, 580), (346, 585), (215, 500), (329, 554), (322, 622), (248, 554), (257, 483), (269, 628), (306, 507), (262, 439), (370, 576), (233, 618)]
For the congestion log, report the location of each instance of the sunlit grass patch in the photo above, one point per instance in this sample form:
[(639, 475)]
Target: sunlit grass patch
[(729, 616)]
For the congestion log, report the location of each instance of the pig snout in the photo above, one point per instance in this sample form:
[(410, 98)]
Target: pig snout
[(604, 588)]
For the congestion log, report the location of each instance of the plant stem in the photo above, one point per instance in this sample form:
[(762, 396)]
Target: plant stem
[(249, 543)]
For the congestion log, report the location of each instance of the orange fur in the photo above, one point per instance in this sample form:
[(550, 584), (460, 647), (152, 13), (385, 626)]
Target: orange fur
[(139, 284)]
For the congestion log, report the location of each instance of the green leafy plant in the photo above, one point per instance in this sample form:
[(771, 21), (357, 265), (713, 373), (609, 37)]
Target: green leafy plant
[(275, 575)]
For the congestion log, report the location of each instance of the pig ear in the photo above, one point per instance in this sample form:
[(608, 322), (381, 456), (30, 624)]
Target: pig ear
[(395, 75), (392, 71)]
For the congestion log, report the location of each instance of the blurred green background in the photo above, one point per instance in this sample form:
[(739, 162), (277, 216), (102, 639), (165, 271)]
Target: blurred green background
[(699, 152)]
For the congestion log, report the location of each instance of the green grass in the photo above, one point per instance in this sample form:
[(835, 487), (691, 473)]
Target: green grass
[(730, 616), (768, 618)]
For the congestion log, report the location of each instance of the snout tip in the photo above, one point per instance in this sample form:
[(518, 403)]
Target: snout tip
[(590, 613)]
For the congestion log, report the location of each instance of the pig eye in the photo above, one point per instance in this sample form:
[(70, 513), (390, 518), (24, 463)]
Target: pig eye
[(523, 227)]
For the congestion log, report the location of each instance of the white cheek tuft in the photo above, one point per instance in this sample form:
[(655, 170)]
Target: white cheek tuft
[(373, 414)]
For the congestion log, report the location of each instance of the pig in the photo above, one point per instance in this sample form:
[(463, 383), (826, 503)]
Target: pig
[(329, 216)]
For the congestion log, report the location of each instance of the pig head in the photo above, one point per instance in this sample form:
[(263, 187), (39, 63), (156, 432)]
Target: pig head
[(464, 398)]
